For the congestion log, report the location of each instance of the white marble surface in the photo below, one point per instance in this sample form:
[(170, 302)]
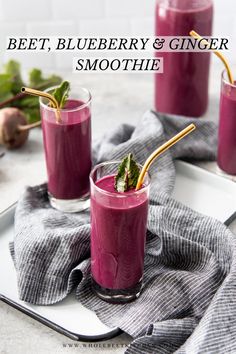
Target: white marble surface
[(116, 99)]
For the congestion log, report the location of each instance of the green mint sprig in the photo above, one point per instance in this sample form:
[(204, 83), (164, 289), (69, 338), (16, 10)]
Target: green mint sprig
[(127, 176), (61, 93)]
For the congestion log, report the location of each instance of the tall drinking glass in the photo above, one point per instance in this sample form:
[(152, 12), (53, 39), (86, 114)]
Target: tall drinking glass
[(183, 87), (67, 146), (227, 127), (118, 235)]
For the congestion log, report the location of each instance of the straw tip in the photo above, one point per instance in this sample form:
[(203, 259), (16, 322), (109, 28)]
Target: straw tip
[(22, 89)]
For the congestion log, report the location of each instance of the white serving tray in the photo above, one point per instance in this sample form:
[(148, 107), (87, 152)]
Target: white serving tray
[(201, 190), (205, 192)]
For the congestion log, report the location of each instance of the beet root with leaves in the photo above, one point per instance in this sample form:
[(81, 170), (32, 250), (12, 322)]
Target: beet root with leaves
[(20, 112)]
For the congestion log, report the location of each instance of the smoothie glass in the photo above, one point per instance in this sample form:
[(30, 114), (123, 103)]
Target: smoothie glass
[(67, 146), (118, 235), (183, 87), (227, 127)]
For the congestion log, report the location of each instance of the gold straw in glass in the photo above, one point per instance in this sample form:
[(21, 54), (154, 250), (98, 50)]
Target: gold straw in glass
[(52, 99), (160, 151), (217, 53)]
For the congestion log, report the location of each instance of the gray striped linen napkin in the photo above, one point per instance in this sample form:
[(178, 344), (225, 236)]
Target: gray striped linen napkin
[(188, 301)]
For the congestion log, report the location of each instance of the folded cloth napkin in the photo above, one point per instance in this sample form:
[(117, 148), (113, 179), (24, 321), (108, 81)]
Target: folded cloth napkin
[(188, 301)]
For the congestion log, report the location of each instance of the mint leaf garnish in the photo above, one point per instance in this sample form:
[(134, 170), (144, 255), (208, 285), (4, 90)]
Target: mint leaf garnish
[(127, 176), (61, 93)]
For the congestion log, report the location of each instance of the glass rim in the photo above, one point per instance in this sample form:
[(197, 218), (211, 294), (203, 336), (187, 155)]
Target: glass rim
[(225, 79), (119, 194), (173, 8), (66, 109)]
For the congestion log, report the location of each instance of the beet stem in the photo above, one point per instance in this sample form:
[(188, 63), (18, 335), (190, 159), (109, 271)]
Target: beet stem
[(14, 98), (29, 126)]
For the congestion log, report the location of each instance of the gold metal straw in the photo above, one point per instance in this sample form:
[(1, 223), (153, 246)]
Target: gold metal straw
[(217, 53), (52, 99), (160, 151)]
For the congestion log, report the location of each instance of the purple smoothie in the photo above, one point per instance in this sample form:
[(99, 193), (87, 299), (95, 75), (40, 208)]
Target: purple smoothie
[(183, 87), (227, 129), (118, 236), (68, 150)]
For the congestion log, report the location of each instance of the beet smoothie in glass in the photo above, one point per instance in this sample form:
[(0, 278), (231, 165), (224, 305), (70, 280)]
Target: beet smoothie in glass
[(118, 235), (226, 158), (67, 146), (183, 87)]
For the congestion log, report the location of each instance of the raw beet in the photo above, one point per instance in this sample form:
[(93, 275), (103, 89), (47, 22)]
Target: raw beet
[(11, 122)]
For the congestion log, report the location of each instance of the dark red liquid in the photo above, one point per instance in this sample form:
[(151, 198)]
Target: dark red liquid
[(183, 87), (227, 131), (118, 237), (68, 150)]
